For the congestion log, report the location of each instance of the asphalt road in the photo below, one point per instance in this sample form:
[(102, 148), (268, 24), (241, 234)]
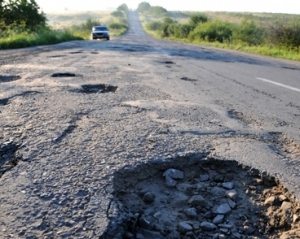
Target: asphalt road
[(172, 99)]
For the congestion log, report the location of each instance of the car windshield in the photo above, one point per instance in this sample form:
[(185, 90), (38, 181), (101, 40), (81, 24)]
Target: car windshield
[(100, 29)]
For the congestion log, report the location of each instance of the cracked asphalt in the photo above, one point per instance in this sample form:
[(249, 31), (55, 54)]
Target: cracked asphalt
[(117, 104)]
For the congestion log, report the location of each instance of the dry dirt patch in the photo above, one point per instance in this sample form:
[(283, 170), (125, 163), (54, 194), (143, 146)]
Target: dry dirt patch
[(194, 197)]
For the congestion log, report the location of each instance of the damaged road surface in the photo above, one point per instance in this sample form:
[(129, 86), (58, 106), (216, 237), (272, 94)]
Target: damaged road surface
[(144, 138)]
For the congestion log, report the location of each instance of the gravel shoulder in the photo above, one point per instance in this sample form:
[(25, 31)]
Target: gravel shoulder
[(88, 129)]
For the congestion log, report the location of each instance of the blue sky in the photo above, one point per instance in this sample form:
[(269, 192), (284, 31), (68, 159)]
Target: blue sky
[(278, 6)]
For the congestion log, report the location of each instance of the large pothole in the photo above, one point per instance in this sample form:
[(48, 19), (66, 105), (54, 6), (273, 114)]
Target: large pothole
[(9, 157), (99, 88), (195, 197)]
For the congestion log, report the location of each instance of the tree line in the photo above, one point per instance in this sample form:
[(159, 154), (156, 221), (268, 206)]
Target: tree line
[(201, 28)]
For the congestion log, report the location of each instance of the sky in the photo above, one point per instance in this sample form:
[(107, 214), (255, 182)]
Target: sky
[(273, 6)]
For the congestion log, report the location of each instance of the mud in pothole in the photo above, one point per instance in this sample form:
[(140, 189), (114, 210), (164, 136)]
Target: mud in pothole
[(193, 198), (98, 88), (9, 157), (9, 78), (65, 74)]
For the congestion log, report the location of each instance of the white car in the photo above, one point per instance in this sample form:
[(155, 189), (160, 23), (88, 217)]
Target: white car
[(99, 32)]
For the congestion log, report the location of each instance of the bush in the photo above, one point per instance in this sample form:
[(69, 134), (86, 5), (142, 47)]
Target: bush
[(198, 18), (116, 25), (212, 31), (153, 26), (287, 36), (249, 33), (117, 14)]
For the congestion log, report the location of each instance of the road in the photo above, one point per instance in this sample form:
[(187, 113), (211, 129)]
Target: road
[(61, 144)]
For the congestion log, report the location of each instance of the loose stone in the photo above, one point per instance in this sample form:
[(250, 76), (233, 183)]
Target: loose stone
[(191, 212), (271, 201), (207, 226), (170, 182), (223, 209), (204, 178), (184, 227), (197, 200), (228, 185), (149, 197), (231, 203), (232, 194), (174, 173), (218, 219)]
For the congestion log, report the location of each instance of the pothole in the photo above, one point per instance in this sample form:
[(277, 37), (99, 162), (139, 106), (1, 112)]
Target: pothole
[(76, 52), (190, 197), (169, 62), (66, 74), (4, 101), (187, 79), (99, 88), (9, 78), (9, 157), (57, 56)]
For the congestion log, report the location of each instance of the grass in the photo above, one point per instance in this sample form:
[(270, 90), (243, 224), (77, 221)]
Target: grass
[(259, 18), (44, 37)]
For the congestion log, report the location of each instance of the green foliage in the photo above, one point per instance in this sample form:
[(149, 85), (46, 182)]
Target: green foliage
[(117, 14), (40, 37), (157, 11), (143, 7), (212, 31), (249, 33), (23, 13), (153, 26), (117, 25), (85, 26), (287, 35), (123, 8), (198, 18)]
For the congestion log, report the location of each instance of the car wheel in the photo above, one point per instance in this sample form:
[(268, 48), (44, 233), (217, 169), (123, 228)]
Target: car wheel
[(107, 38)]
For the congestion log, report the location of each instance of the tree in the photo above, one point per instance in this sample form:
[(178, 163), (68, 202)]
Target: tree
[(198, 18), (123, 8), (21, 13), (143, 7)]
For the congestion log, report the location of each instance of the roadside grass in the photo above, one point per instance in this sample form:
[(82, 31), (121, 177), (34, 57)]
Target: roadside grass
[(261, 19), (44, 37), (63, 27)]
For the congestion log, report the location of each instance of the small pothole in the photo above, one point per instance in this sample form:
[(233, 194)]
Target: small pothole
[(169, 62), (187, 79), (57, 56), (189, 198), (9, 157), (75, 52), (98, 88), (65, 74), (9, 78)]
